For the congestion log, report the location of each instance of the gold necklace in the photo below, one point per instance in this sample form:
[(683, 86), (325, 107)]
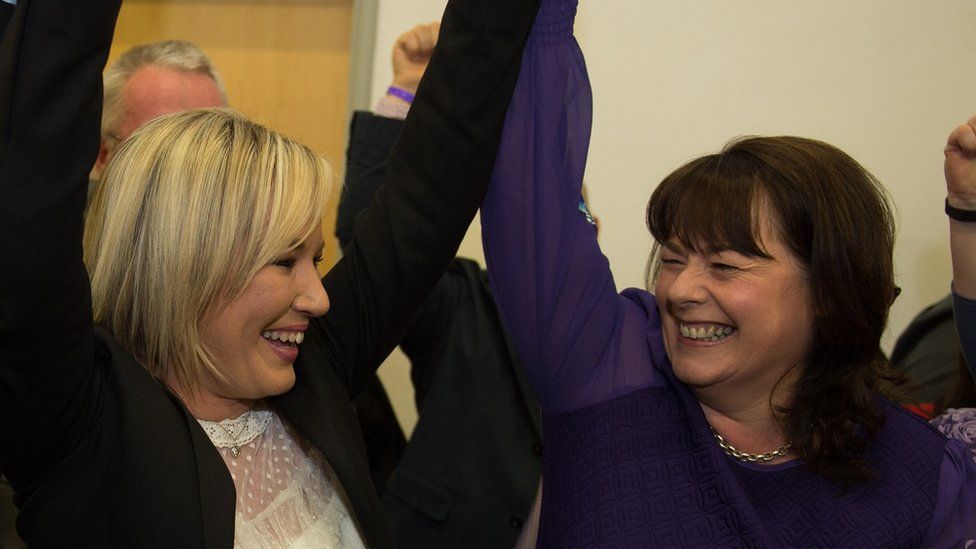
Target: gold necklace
[(747, 457)]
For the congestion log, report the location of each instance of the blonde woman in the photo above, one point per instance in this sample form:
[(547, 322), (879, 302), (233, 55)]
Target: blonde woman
[(194, 391)]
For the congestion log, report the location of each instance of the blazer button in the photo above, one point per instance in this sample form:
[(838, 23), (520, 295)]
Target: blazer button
[(537, 449), (515, 522)]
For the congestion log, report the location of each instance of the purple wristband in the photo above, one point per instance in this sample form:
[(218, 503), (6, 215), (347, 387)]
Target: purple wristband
[(401, 93)]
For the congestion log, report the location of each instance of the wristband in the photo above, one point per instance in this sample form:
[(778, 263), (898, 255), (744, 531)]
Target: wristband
[(966, 216), (401, 93)]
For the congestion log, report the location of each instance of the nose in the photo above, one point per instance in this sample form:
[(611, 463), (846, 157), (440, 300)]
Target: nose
[(312, 298), (687, 287)]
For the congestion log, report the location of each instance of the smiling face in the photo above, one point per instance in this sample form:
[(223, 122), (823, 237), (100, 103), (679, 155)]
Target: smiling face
[(254, 338), (219, 251), (732, 321)]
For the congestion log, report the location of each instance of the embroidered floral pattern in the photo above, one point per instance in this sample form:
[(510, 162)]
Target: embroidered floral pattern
[(960, 424)]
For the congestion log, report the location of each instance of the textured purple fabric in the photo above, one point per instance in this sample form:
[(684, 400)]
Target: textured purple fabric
[(629, 458)]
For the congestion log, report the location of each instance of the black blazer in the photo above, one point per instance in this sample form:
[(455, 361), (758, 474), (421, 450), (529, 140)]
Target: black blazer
[(470, 472), (100, 454)]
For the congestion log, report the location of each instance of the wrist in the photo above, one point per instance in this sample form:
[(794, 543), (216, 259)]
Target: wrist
[(392, 107), (401, 92), (960, 209)]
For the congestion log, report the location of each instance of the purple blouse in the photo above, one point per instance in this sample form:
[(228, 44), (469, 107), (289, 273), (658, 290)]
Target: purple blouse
[(629, 460)]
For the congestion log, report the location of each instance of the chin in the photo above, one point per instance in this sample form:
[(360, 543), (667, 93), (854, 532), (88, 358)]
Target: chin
[(280, 384), (693, 375)]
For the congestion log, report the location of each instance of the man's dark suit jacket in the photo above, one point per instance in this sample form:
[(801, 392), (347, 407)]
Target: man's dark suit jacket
[(99, 453), (470, 472)]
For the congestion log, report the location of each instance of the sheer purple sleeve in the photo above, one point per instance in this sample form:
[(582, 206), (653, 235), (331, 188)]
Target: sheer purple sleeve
[(579, 341), (964, 311), (954, 519)]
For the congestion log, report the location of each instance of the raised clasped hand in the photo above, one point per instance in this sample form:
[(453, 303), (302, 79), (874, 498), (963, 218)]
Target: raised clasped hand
[(960, 166), (411, 53)]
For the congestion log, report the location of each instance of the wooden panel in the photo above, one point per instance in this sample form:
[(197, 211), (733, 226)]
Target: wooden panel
[(285, 64)]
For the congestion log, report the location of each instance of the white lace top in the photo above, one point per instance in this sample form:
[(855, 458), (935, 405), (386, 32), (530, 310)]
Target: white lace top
[(286, 490)]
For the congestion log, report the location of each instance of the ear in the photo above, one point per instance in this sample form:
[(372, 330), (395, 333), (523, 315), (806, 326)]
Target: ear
[(103, 152), (101, 160)]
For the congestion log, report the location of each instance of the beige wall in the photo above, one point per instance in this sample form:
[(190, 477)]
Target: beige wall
[(285, 62), (883, 79)]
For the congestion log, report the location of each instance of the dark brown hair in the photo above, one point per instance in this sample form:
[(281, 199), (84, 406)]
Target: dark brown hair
[(835, 218)]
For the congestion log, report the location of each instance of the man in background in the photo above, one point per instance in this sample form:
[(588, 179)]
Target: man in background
[(470, 473), (152, 80)]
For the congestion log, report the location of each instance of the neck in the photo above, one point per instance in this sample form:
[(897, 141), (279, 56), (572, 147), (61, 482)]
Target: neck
[(753, 428), (208, 405), (747, 433)]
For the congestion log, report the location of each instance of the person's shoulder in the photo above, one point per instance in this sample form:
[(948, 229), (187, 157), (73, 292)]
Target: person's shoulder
[(642, 298), (113, 359), (958, 424), (907, 435)]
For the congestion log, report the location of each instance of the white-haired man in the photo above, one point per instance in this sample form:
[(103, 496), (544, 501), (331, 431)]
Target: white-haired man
[(152, 80)]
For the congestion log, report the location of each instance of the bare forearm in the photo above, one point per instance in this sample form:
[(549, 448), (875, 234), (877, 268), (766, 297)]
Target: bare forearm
[(962, 242)]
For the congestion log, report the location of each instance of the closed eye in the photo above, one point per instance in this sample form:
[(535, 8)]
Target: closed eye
[(285, 262), (672, 264), (724, 267)]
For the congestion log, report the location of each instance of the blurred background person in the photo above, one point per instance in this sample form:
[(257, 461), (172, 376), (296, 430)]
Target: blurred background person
[(470, 472), (151, 80), (959, 421), (927, 352)]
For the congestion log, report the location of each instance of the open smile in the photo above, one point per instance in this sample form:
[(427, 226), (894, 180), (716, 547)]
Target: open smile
[(705, 332), (284, 344)]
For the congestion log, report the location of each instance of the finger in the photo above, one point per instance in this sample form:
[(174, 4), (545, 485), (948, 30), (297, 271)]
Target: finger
[(421, 45)]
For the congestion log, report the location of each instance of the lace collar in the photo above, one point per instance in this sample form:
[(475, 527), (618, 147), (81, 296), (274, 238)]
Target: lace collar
[(236, 432)]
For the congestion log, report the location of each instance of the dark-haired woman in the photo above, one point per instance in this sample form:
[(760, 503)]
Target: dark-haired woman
[(743, 405)]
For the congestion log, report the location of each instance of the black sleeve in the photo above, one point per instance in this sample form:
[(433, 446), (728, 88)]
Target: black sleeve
[(6, 13), (371, 138), (51, 59), (436, 178)]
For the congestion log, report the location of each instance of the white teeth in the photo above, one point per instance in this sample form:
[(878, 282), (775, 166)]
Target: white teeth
[(712, 333), (284, 337)]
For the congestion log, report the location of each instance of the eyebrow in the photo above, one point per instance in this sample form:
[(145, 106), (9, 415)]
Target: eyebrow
[(674, 246)]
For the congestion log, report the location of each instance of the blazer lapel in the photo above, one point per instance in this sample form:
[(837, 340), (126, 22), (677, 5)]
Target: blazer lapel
[(218, 497)]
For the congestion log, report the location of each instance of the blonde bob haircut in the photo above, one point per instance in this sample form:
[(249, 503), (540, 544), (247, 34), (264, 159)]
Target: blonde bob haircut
[(193, 205)]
